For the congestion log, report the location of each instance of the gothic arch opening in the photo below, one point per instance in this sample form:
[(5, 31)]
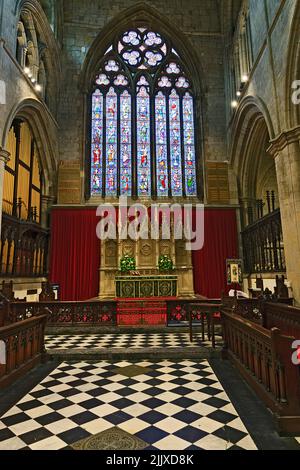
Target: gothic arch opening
[(173, 49), (255, 170), (35, 115), (29, 190)]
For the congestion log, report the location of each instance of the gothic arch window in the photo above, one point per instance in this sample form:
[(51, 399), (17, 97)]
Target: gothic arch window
[(142, 120)]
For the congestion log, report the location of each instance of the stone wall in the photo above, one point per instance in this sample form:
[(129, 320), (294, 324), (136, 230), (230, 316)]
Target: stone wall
[(268, 93), (271, 22), (20, 97), (207, 25)]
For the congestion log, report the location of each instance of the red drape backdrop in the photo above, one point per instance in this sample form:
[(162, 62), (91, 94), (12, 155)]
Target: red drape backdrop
[(75, 253), (220, 243)]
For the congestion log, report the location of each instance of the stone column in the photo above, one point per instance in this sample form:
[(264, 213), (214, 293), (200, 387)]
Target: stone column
[(248, 204), (286, 151), (46, 203), (4, 158)]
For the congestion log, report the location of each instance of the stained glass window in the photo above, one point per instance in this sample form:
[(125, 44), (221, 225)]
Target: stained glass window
[(142, 120), (161, 145), (97, 142), (175, 144), (189, 145), (126, 149), (111, 143), (143, 138)]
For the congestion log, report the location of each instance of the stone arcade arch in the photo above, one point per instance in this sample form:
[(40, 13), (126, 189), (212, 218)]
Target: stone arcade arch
[(35, 114), (252, 132), (257, 184), (39, 195)]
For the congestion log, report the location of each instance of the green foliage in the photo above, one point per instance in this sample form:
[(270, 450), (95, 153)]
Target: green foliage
[(165, 263), (127, 264)]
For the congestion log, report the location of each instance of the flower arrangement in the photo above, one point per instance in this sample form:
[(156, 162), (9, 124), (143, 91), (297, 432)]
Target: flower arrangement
[(165, 263), (127, 264)]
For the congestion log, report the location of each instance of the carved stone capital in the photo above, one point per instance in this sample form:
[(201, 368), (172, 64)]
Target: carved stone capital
[(247, 201), (4, 155), (47, 200), (283, 140)]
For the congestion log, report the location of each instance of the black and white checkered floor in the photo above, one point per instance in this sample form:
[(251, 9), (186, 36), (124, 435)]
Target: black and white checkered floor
[(126, 341), (169, 405)]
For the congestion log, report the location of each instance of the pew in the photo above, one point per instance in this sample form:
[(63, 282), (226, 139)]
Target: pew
[(22, 348), (262, 352)]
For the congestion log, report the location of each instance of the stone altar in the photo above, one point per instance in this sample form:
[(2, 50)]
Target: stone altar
[(146, 286), (146, 253)]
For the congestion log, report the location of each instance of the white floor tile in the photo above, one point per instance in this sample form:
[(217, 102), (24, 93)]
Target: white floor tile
[(211, 442), (133, 426), (60, 426), (96, 426), (12, 444), (39, 411), (51, 443), (247, 443), (136, 409), (168, 409), (24, 427), (207, 424), (172, 443), (170, 425), (71, 410), (103, 410)]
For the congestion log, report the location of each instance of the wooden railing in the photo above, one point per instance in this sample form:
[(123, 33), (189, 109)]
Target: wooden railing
[(264, 357), (249, 309), (284, 317), (178, 310), (22, 347), (23, 248), (67, 313), (257, 308), (263, 245), (104, 312)]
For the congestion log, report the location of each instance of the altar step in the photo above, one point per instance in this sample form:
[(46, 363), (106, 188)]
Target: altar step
[(132, 346), (131, 355), (121, 329)]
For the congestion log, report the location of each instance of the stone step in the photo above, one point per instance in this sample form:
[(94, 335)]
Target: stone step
[(88, 329), (196, 353)]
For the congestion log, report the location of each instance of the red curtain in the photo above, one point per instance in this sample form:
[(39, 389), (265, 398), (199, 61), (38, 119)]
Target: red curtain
[(75, 253), (220, 243)]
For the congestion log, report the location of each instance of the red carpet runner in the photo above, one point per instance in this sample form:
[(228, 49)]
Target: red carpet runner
[(142, 311)]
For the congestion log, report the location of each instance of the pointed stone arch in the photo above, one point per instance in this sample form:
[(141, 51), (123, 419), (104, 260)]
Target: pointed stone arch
[(35, 114), (142, 12), (252, 130), (250, 110)]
